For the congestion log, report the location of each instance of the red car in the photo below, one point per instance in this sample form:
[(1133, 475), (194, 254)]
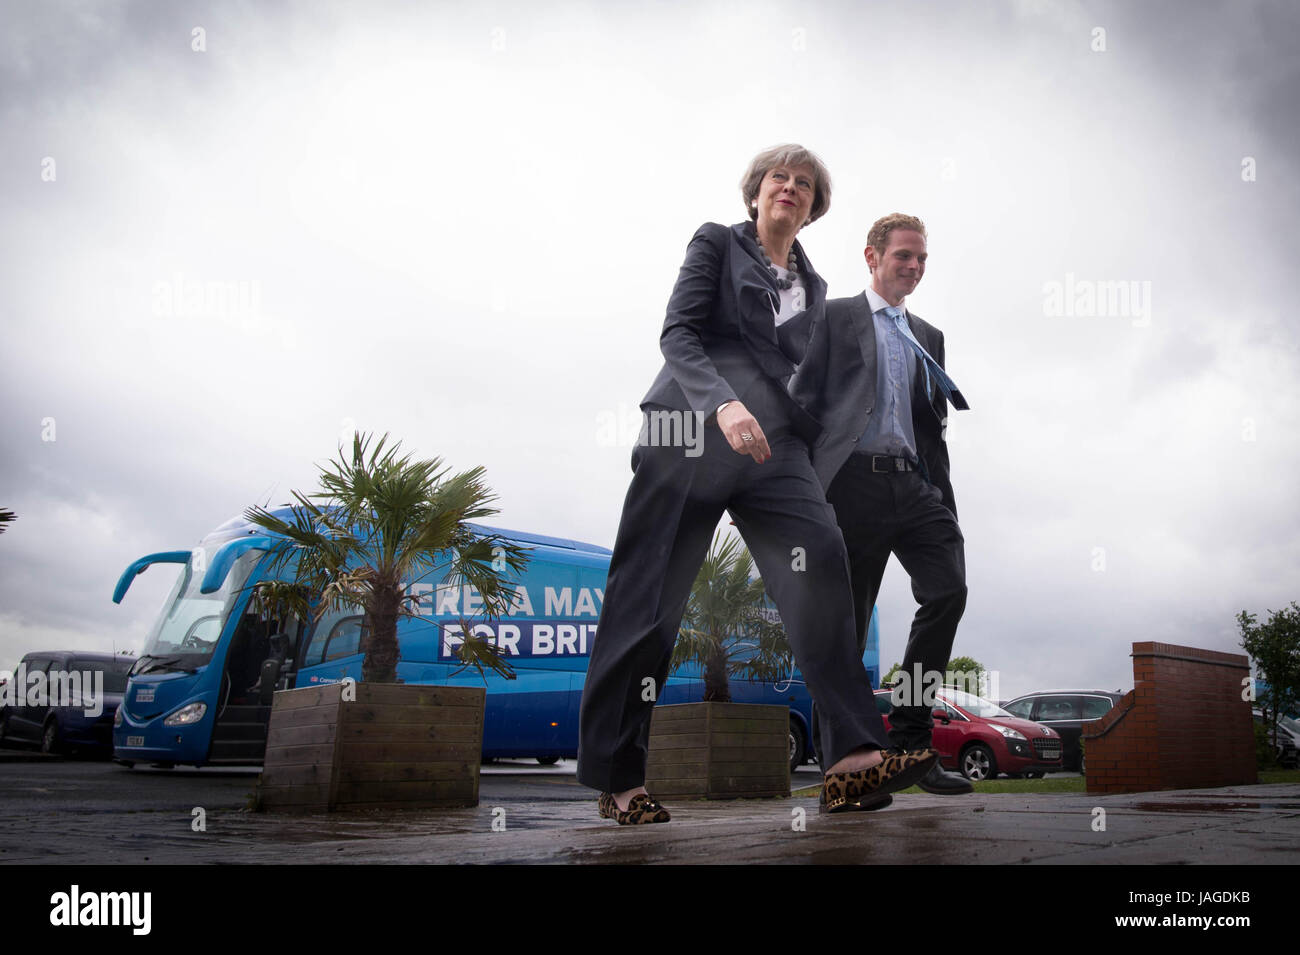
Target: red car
[(979, 739)]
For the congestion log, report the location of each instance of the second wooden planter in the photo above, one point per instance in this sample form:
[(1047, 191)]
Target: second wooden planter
[(719, 751)]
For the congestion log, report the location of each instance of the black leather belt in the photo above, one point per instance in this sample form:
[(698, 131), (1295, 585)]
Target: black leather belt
[(884, 463)]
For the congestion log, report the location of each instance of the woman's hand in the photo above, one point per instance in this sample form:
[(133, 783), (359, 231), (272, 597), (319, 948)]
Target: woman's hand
[(742, 432)]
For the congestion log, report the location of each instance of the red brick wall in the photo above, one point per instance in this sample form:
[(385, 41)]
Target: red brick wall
[(1184, 725)]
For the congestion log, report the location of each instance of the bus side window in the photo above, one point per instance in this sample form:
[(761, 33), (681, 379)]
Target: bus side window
[(344, 639), (311, 653), (333, 637)]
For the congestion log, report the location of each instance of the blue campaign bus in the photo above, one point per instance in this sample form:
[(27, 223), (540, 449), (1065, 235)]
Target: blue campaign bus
[(200, 692)]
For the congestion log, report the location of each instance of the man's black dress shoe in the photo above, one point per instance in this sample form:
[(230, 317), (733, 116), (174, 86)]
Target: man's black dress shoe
[(942, 783)]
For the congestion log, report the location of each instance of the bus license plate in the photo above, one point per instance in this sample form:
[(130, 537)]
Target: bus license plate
[(135, 741)]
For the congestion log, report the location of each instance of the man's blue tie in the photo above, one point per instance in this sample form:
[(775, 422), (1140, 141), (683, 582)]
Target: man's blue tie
[(946, 384)]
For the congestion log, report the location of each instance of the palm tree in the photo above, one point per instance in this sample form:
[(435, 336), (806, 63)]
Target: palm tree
[(5, 517), (729, 628), (387, 520)]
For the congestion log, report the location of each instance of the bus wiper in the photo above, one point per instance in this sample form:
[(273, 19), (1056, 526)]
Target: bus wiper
[(169, 666), (156, 663), (138, 665)]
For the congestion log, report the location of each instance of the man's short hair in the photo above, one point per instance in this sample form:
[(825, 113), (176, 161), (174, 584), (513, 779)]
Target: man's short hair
[(788, 154), (878, 237)]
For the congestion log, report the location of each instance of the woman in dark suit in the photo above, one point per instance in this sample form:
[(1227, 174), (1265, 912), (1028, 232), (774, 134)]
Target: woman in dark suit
[(721, 433)]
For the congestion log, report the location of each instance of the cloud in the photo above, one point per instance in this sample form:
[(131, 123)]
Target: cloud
[(461, 226)]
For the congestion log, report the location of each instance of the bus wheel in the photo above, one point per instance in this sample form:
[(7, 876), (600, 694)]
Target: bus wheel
[(548, 760), (797, 751)]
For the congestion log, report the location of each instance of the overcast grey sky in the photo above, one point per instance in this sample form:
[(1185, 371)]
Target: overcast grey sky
[(461, 224)]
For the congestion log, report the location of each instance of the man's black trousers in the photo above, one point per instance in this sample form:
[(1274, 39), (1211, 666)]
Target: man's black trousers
[(902, 513)]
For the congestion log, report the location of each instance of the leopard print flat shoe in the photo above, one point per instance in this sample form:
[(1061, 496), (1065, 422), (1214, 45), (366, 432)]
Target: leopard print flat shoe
[(866, 804), (642, 809), (897, 770)]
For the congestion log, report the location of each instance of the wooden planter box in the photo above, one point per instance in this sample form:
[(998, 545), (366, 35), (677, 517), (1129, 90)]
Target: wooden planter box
[(719, 751), (395, 746)]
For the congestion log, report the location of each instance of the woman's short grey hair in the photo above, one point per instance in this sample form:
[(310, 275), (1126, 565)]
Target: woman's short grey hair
[(789, 154)]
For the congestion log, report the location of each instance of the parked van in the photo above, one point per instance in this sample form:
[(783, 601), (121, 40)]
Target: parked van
[(64, 700)]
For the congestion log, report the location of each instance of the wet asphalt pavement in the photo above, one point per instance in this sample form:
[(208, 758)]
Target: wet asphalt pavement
[(79, 812)]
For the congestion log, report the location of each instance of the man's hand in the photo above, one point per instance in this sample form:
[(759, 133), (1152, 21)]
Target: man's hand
[(742, 432)]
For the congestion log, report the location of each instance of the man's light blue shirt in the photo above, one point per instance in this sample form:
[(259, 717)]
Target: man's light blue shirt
[(889, 426)]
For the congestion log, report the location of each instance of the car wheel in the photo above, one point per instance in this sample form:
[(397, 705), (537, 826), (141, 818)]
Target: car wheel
[(977, 763), (548, 760), (798, 753), (50, 738)]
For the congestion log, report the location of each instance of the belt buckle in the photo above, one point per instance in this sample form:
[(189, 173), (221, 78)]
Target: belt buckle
[(876, 470)]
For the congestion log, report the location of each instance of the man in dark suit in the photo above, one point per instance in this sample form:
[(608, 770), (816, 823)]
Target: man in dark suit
[(873, 376)]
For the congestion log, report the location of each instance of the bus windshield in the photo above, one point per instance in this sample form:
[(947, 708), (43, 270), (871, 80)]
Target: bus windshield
[(189, 627)]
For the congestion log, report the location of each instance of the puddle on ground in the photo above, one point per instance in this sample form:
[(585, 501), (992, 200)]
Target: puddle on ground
[(1212, 806), (312, 836)]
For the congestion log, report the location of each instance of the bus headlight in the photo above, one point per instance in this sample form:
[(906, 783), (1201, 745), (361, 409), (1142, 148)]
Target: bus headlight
[(117, 717), (186, 715)]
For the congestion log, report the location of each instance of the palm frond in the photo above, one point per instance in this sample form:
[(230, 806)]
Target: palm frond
[(381, 520), (729, 619), (477, 652)]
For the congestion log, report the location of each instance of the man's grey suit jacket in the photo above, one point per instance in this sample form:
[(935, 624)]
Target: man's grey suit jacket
[(836, 384), (719, 338)]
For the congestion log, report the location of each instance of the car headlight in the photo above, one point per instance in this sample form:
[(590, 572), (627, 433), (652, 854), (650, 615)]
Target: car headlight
[(1007, 731), (186, 715)]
